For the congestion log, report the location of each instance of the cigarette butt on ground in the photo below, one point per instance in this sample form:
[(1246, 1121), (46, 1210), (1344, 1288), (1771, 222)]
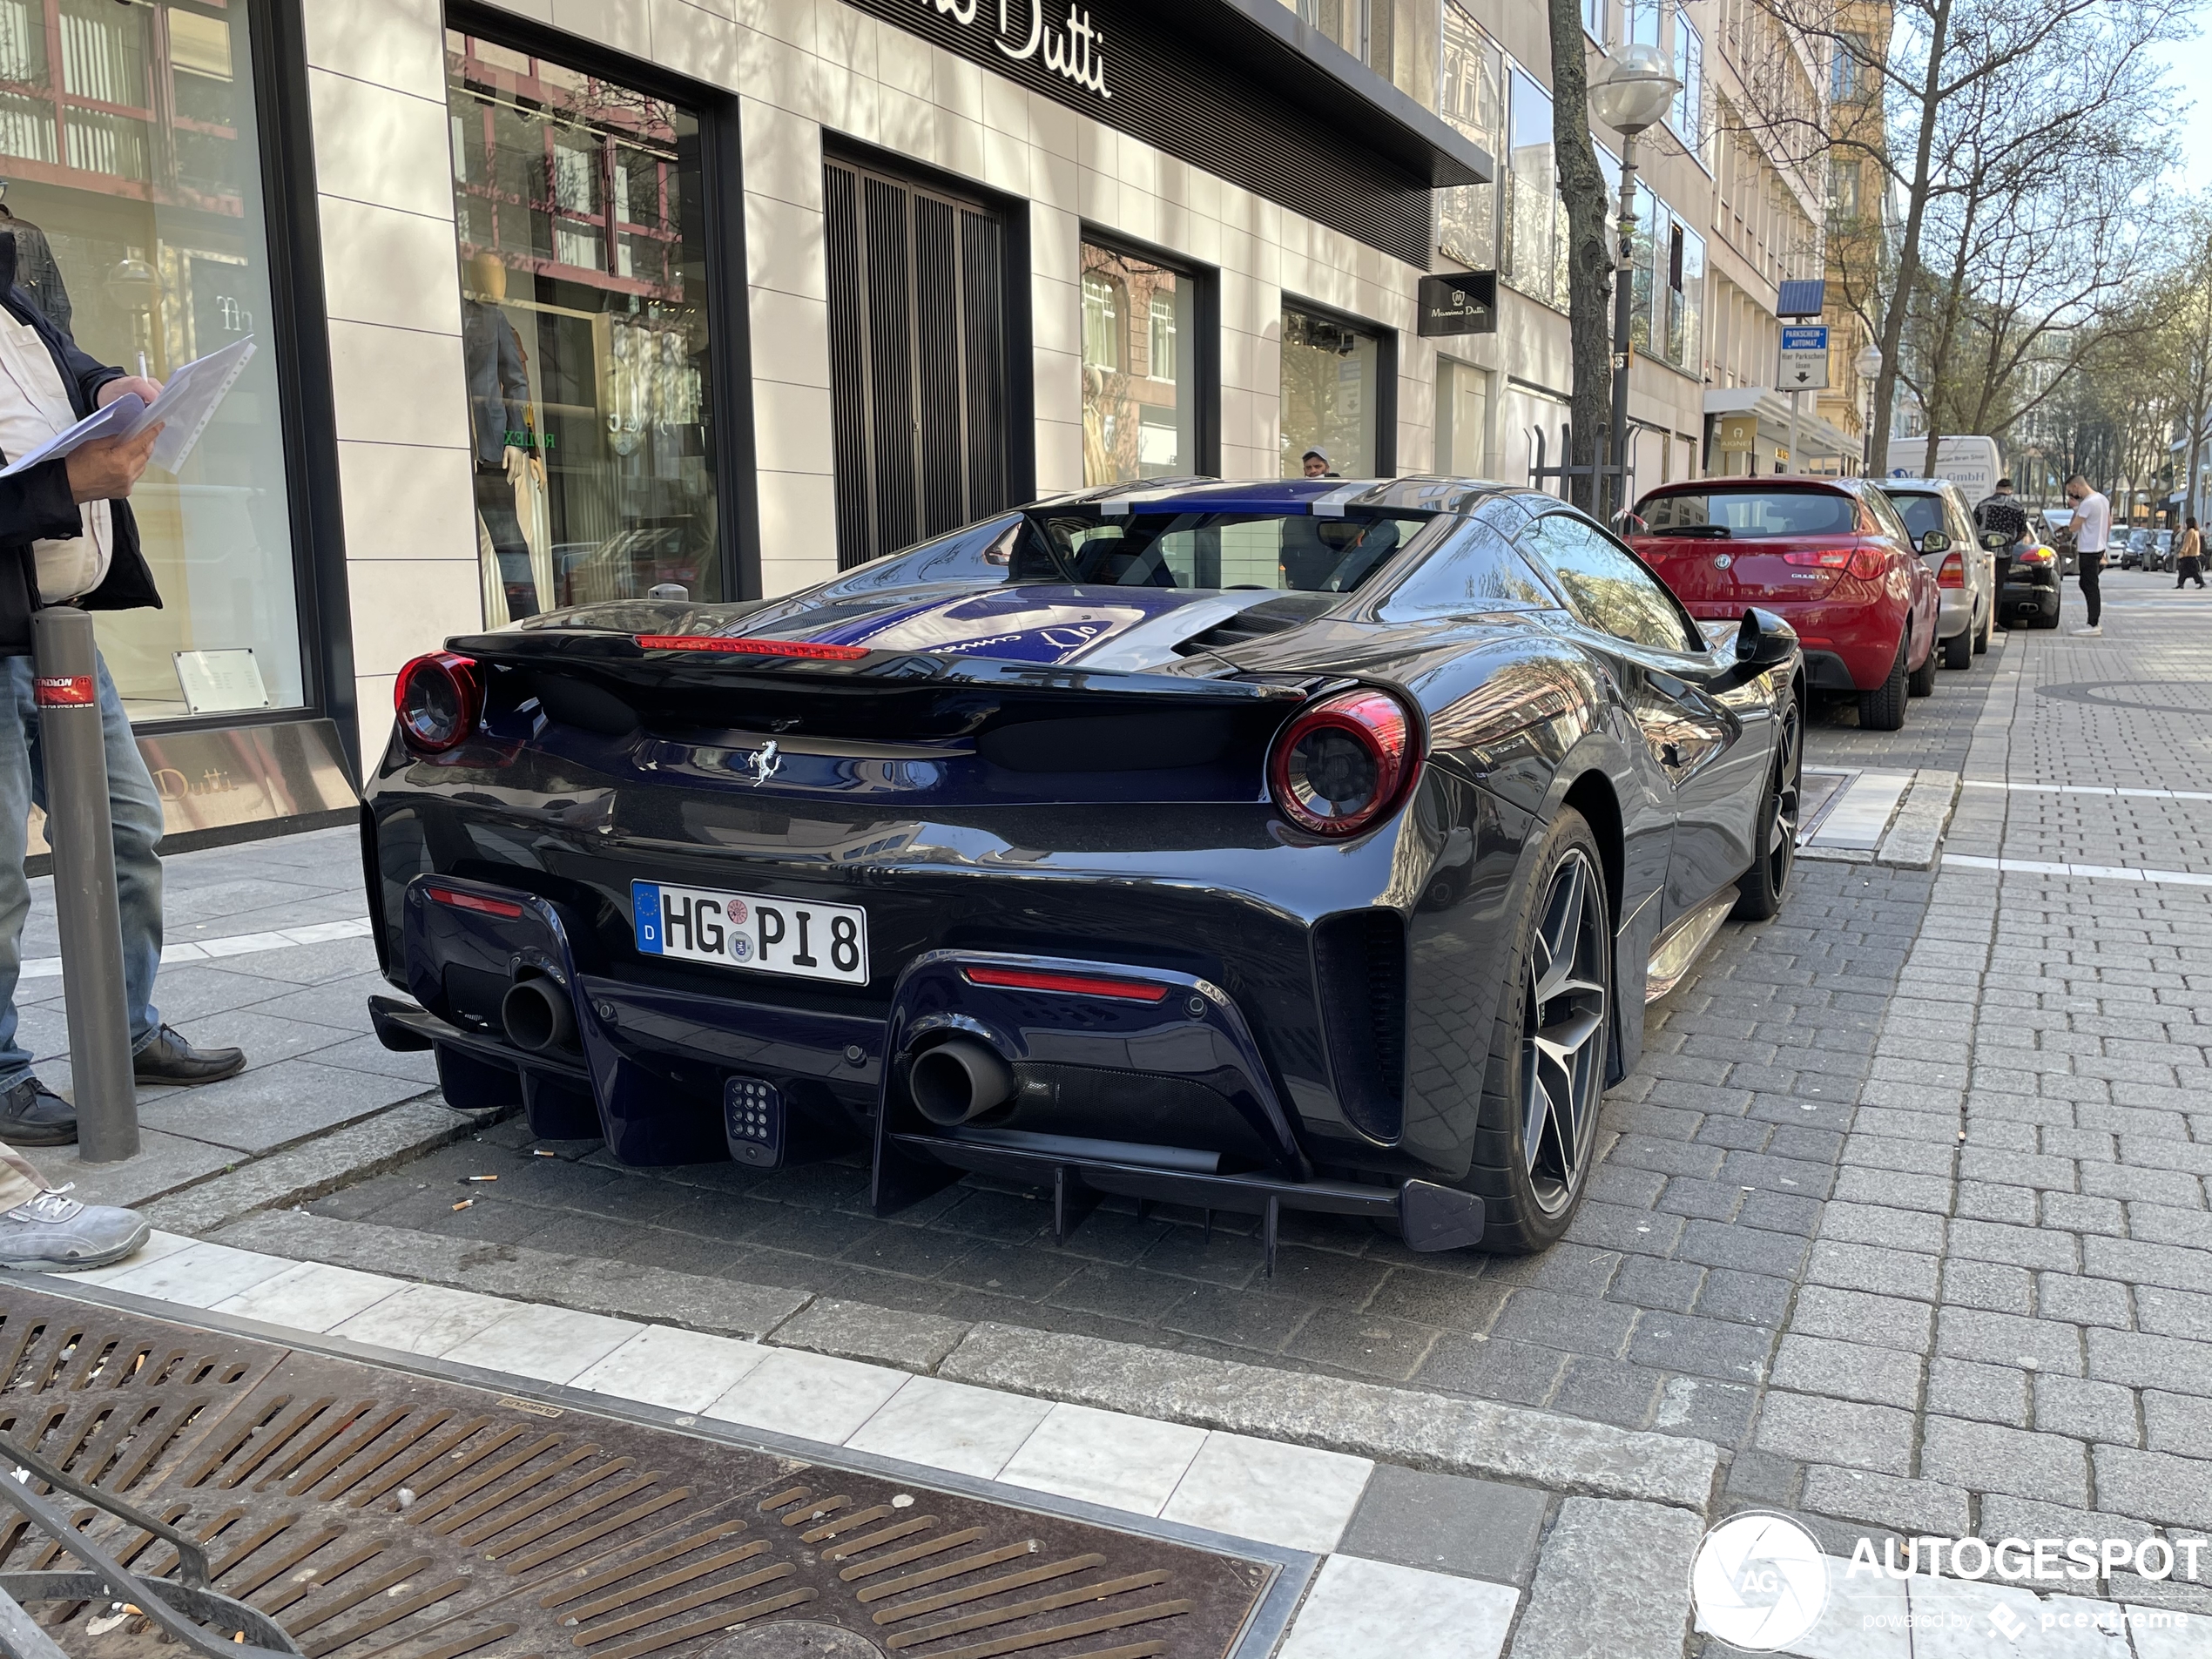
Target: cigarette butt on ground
[(464, 1204)]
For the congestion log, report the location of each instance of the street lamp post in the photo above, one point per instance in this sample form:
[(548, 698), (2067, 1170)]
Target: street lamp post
[(1633, 94), (1869, 364)]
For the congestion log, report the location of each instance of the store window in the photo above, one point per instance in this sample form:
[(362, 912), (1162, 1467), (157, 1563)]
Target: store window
[(1473, 99), (576, 201), (1535, 260), (1333, 374), (133, 189), (1140, 387)]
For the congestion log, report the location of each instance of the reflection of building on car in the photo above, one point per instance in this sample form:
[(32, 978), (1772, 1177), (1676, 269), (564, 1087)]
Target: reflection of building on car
[(1296, 845), (1831, 556)]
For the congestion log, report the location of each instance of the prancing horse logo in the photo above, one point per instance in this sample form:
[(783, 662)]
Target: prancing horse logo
[(761, 765)]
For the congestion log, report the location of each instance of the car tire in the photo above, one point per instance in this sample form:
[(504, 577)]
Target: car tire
[(1959, 649), (1883, 708), (1921, 681), (1760, 890), (2048, 619), (1530, 1194)]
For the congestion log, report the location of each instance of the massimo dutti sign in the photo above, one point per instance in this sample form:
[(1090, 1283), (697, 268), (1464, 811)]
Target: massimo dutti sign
[(1074, 49), (1203, 82)]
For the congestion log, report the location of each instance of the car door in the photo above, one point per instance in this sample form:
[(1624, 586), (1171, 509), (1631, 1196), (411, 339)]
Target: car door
[(1981, 564), (1706, 768)]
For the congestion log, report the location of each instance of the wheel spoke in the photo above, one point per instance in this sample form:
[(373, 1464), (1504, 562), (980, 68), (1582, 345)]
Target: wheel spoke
[(1562, 934), (1563, 1043)]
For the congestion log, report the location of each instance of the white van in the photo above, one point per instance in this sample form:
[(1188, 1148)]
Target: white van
[(1974, 464)]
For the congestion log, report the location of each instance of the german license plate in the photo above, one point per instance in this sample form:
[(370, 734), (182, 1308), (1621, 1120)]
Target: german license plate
[(756, 931)]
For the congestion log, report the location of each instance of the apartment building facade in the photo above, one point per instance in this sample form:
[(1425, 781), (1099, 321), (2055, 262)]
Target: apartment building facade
[(560, 300)]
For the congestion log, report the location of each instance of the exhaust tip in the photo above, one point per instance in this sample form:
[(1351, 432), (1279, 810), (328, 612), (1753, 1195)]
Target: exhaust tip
[(959, 1080), (536, 1016)]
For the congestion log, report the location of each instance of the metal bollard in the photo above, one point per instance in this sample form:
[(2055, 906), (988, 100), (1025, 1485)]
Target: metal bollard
[(73, 755)]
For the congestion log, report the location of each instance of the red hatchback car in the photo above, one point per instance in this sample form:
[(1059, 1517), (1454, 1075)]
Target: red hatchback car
[(1829, 555)]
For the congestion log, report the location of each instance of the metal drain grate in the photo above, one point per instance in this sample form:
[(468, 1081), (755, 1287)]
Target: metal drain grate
[(376, 1515)]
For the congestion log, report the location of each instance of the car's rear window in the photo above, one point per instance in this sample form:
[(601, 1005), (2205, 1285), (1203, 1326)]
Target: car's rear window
[(1920, 513), (1753, 512), (1215, 549)]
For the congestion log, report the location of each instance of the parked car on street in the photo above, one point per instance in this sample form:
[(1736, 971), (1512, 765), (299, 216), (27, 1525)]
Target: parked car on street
[(1942, 526), (2028, 591), (1296, 845), (1830, 555)]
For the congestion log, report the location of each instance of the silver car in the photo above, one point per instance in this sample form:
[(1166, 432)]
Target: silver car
[(1966, 572)]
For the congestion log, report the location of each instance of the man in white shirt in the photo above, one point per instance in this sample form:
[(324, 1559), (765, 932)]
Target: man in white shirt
[(2092, 531)]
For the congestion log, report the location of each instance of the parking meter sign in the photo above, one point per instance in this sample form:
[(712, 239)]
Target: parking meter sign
[(1804, 358)]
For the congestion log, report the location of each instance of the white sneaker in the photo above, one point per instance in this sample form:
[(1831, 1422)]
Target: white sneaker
[(2092, 630)]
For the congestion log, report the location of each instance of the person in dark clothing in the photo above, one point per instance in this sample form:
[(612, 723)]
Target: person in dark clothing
[(2002, 511), (36, 271), (499, 395), (2188, 556)]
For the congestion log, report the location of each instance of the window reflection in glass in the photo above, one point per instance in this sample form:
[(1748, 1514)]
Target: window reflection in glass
[(1330, 383), (1535, 260), (584, 332), (1140, 379), (1473, 100), (133, 192)]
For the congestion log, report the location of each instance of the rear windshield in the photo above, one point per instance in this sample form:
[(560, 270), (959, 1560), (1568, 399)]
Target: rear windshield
[(1920, 513), (1754, 512), (1214, 550)]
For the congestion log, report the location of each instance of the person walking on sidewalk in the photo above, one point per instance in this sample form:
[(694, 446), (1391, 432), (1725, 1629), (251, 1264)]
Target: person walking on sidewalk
[(2188, 556), (2091, 529), (67, 535)]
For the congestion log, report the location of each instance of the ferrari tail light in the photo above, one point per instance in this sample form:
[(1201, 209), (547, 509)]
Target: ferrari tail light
[(438, 699), (1340, 766), (1828, 558), (2034, 555), (1043, 979), (803, 648), (1867, 563), (1953, 574)]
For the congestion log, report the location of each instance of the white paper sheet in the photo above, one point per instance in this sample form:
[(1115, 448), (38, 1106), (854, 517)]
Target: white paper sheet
[(187, 405)]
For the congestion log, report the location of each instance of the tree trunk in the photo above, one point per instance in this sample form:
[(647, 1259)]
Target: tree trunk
[(1908, 253), (1589, 280)]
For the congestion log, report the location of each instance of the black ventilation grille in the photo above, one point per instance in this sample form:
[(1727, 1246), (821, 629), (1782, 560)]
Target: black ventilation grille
[(1257, 622), (1359, 967)]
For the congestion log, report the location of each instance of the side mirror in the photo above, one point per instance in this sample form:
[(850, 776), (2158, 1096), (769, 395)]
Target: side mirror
[(1935, 541), (1763, 642), (1995, 541), (1627, 526)]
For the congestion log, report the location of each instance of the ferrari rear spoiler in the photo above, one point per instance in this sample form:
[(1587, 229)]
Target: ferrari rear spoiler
[(612, 684)]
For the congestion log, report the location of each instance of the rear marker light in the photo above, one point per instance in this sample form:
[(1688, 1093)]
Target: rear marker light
[(1953, 574), (1340, 766), (1040, 979), (752, 647), (439, 700), (506, 908)]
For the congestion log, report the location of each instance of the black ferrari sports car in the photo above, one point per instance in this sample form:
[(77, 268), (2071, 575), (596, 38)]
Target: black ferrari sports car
[(1297, 844)]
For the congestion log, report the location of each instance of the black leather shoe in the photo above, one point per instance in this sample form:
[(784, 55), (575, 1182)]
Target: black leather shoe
[(169, 1059), (33, 1114)]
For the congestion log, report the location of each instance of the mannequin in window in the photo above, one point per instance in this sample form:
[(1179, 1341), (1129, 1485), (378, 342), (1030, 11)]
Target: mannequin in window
[(37, 273), (499, 395)]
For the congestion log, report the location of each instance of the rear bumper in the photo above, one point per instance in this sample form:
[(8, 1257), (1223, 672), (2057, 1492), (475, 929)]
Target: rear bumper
[(1166, 1099), (1955, 613), (1848, 644)]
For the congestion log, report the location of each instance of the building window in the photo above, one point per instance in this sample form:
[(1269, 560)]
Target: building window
[(128, 138), (1535, 260), (1846, 70), (1593, 19), (577, 203), (1331, 395), (1472, 100), (1688, 115), (1843, 190), (1140, 370), (1643, 23)]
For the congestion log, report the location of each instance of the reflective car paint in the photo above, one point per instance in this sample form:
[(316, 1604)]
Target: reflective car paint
[(1050, 809)]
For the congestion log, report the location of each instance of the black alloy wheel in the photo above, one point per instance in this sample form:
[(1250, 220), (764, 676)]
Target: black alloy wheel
[(1761, 889), (1536, 1135), (1563, 1043)]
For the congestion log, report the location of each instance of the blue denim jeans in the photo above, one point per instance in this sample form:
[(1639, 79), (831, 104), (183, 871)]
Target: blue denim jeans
[(136, 808)]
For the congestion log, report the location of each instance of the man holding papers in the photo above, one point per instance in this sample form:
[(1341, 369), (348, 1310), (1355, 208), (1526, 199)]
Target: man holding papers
[(66, 534)]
